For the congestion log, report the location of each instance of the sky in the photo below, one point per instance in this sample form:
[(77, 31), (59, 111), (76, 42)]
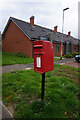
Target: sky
[(48, 13)]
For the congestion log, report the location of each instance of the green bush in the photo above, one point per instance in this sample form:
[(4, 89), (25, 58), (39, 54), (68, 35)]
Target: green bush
[(68, 55), (75, 53), (71, 55)]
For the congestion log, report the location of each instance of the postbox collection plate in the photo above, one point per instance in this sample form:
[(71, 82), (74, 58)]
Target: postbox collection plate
[(38, 61)]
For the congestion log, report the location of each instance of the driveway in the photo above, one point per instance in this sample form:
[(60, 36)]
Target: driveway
[(73, 64)]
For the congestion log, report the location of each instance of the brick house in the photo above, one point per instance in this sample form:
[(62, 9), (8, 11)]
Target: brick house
[(18, 37)]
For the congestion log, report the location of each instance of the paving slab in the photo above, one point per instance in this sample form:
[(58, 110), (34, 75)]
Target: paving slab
[(4, 112)]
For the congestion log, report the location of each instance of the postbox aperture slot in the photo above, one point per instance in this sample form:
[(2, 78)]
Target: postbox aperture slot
[(37, 46), (38, 62)]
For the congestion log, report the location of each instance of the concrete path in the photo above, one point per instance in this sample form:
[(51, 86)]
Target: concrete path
[(10, 68)]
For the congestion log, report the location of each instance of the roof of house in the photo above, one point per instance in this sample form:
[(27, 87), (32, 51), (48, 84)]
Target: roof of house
[(34, 32), (57, 37)]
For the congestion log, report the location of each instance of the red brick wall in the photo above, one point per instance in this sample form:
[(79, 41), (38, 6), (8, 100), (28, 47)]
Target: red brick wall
[(58, 53), (16, 41)]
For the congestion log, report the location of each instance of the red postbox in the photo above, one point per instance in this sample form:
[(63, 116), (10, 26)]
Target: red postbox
[(43, 56)]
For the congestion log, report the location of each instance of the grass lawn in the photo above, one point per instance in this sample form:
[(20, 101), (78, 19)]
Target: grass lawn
[(13, 58), (21, 92)]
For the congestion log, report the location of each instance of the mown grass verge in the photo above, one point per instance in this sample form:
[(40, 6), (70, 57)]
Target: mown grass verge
[(22, 93), (15, 58)]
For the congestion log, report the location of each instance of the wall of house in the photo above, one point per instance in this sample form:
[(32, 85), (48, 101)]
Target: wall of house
[(15, 41), (58, 53)]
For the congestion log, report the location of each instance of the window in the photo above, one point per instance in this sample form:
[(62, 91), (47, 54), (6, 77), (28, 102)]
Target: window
[(57, 48)]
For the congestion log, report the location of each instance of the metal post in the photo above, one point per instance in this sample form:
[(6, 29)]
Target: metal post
[(43, 86), (62, 37), (62, 33)]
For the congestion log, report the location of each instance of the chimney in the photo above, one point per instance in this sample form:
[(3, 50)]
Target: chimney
[(69, 33), (55, 28), (32, 20)]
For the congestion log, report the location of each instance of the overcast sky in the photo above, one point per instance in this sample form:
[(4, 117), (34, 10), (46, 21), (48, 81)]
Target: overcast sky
[(48, 13)]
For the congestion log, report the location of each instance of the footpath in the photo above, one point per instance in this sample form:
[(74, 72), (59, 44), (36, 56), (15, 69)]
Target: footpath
[(10, 68)]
